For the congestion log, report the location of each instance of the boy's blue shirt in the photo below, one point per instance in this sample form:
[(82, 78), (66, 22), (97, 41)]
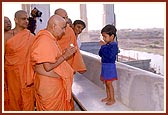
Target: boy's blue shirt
[(108, 52)]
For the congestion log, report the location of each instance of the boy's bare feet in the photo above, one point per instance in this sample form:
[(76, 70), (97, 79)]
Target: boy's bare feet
[(110, 102), (105, 99)]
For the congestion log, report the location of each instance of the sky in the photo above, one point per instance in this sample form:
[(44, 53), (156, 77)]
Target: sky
[(130, 15)]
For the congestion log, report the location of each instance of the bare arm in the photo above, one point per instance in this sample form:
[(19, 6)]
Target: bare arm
[(49, 66), (68, 53), (39, 68)]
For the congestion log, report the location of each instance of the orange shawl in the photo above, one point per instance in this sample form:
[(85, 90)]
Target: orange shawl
[(19, 72), (51, 93), (76, 61)]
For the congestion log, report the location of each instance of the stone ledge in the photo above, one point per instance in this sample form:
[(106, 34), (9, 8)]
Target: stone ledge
[(88, 95)]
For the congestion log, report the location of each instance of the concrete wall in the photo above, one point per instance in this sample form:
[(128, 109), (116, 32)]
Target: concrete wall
[(138, 89), (142, 64)]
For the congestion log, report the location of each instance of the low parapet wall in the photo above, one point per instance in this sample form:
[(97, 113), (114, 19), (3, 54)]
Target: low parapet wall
[(138, 89)]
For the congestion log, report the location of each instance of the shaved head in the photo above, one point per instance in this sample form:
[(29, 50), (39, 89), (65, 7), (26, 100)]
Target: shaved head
[(21, 19), (19, 13), (56, 25), (55, 19), (61, 12)]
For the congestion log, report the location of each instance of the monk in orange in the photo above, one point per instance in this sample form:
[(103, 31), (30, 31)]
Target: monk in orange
[(18, 70), (53, 77), (7, 27), (76, 61)]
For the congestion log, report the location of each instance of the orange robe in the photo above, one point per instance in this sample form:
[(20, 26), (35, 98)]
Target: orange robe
[(76, 61), (19, 72), (51, 93), (6, 97)]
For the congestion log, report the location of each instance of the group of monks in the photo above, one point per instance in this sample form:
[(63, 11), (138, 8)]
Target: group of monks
[(39, 69)]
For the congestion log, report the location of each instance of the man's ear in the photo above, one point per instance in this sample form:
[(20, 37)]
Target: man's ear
[(113, 36), (54, 25), (73, 26), (16, 20)]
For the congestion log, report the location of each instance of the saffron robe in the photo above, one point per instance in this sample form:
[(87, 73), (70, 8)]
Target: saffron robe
[(52, 93), (6, 97), (76, 61), (19, 72)]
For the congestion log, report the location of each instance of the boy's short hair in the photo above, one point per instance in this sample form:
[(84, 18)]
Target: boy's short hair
[(109, 29), (79, 22)]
